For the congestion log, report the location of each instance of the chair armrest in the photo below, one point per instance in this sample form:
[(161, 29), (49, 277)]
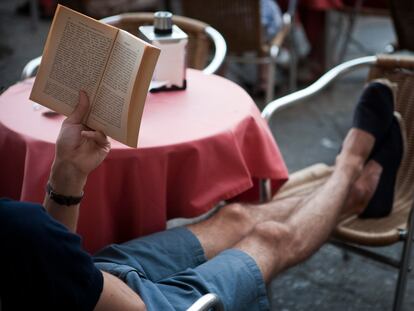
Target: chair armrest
[(296, 97), (31, 67), (220, 47), (289, 100), (207, 302)]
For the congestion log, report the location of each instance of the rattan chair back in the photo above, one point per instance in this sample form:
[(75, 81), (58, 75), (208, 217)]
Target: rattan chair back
[(238, 21), (400, 70), (386, 231)]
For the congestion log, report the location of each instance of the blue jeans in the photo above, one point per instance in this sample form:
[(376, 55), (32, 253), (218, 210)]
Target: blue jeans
[(169, 271)]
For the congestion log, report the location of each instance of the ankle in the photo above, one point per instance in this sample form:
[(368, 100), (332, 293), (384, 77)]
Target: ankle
[(358, 144), (365, 186), (349, 162)]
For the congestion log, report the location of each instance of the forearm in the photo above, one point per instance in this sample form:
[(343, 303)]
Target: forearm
[(79, 151), (65, 180)]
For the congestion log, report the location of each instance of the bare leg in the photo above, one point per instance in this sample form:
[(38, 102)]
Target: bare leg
[(282, 233), (276, 246), (235, 221), (363, 189)]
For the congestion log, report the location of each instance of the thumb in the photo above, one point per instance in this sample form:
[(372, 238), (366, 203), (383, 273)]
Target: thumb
[(81, 109)]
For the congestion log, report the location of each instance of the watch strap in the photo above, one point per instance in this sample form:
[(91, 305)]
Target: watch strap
[(62, 199)]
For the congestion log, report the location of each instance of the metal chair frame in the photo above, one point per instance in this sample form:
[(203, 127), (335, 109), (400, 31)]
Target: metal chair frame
[(353, 13), (407, 235), (216, 38), (207, 302), (204, 303)]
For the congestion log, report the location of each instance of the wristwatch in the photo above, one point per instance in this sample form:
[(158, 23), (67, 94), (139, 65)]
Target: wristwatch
[(62, 199)]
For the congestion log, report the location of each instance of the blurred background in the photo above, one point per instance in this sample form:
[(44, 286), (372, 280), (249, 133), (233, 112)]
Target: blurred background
[(322, 33)]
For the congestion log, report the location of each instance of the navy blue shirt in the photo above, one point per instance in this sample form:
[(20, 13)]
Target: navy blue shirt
[(42, 264)]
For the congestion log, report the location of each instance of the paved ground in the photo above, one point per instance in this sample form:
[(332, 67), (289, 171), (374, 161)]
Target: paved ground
[(306, 134)]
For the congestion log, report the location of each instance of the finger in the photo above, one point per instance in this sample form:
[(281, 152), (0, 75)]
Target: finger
[(81, 109), (97, 136)]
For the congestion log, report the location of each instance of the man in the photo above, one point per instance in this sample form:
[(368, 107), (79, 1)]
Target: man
[(234, 253)]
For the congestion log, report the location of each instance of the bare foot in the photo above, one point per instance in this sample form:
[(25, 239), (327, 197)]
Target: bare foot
[(363, 189), (356, 148), (358, 143)]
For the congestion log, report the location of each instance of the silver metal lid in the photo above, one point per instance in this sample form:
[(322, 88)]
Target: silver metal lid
[(163, 21)]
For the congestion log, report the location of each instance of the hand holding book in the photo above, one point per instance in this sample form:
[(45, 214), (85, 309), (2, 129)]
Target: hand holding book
[(111, 65)]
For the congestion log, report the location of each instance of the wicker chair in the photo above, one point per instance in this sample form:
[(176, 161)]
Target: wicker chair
[(202, 40), (353, 232), (239, 22)]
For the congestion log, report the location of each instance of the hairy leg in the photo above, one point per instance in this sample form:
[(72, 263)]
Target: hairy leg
[(362, 190), (235, 221), (276, 246)]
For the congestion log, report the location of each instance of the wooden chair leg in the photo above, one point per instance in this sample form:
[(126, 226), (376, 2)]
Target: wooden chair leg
[(404, 266), (402, 277)]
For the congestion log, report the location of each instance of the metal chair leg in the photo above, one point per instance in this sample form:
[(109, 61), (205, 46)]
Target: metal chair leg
[(405, 265), (348, 32), (270, 81), (265, 191), (293, 64), (207, 302)]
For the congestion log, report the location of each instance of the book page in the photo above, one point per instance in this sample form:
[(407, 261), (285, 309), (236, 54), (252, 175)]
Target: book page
[(111, 107), (74, 58)]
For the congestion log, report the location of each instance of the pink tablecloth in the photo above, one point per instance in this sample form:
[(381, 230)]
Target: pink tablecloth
[(196, 148)]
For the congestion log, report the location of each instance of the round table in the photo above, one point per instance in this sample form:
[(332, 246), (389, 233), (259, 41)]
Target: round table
[(196, 148)]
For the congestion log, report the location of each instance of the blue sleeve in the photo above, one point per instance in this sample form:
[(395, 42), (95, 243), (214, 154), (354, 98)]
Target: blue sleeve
[(271, 18), (42, 264)]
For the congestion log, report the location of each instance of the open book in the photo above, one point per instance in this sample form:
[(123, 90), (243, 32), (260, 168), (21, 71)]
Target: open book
[(113, 67)]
